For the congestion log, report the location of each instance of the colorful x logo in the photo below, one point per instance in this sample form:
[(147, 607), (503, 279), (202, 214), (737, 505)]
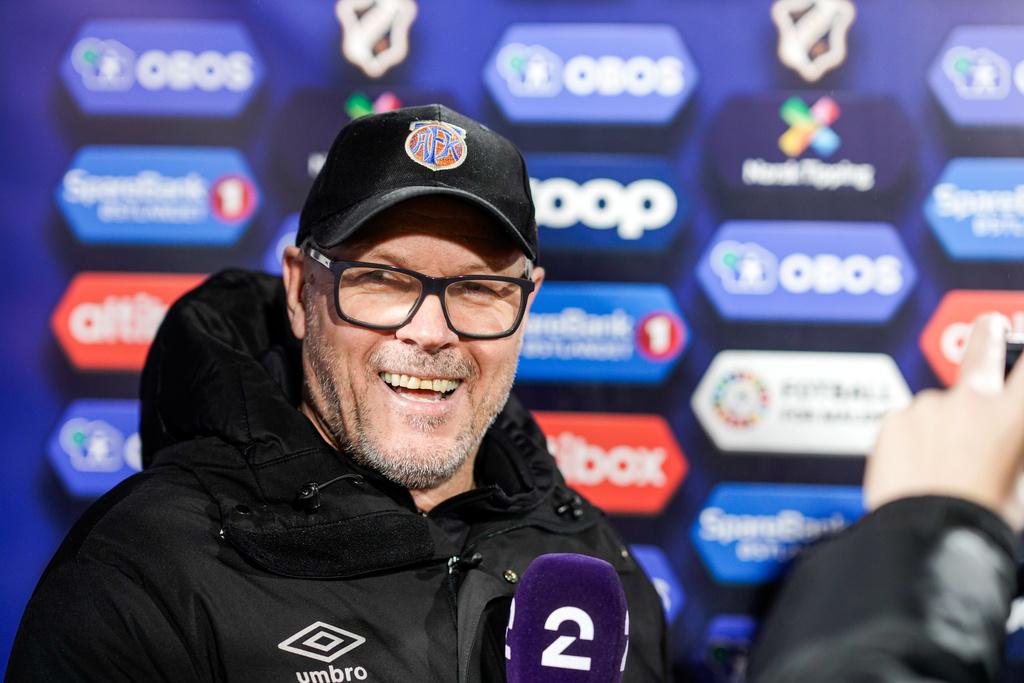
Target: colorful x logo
[(809, 127)]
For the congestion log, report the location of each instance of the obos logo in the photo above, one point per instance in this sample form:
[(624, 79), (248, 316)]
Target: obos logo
[(602, 332), (944, 338), (977, 209), (615, 203), (978, 76), (591, 73), (797, 402), (96, 445), (626, 464), (162, 68), (106, 321), (747, 533), (660, 572), (158, 195), (813, 144), (806, 271)]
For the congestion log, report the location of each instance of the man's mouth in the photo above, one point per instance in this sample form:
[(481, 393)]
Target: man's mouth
[(420, 388)]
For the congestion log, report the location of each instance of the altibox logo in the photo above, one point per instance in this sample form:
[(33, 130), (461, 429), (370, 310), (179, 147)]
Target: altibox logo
[(797, 402), (602, 332), (106, 321), (747, 533), (978, 76), (605, 202), (96, 445), (811, 143), (976, 210), (944, 338), (806, 271), (659, 571), (158, 195), (591, 73), (625, 464), (162, 68)]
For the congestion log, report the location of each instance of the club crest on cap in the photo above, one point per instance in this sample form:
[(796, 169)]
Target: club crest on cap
[(437, 145)]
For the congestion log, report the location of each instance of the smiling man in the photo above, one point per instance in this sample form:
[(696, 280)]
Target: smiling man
[(338, 485)]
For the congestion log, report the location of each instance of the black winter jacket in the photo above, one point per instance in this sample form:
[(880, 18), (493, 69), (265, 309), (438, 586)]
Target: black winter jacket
[(210, 566)]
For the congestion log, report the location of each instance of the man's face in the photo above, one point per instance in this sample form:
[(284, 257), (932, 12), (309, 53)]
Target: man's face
[(416, 437)]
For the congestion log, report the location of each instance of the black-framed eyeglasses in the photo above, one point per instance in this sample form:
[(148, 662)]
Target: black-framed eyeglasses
[(383, 297)]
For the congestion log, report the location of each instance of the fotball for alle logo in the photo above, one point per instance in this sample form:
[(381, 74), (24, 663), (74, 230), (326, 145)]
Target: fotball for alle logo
[(797, 402), (605, 202), (625, 464), (747, 533), (96, 445), (976, 209), (602, 332), (162, 68), (158, 195), (591, 73), (106, 321), (806, 271), (944, 338)]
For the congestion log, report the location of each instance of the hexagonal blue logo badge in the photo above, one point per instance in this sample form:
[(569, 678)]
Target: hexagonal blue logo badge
[(96, 445), (976, 209), (613, 202), (285, 237), (747, 533), (806, 271), (147, 67), (603, 332), (632, 74), (661, 574), (158, 195), (978, 76)]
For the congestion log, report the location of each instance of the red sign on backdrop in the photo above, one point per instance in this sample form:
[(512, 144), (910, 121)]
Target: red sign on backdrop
[(625, 464), (945, 336), (106, 321)]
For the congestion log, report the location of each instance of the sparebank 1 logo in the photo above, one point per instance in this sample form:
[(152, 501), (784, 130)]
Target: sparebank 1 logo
[(978, 76), (944, 337), (158, 195), (820, 403), (162, 68), (625, 464), (96, 445), (663, 577), (806, 271), (602, 332), (605, 202), (976, 209), (747, 533), (591, 73)]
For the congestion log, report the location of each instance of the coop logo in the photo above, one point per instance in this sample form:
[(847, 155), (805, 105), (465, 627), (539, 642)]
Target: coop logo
[(625, 464), (158, 195), (976, 209), (811, 144), (96, 445), (162, 68), (944, 337), (812, 34), (747, 533), (602, 332), (978, 76), (806, 271), (605, 202), (591, 73), (797, 402), (659, 570), (106, 321)]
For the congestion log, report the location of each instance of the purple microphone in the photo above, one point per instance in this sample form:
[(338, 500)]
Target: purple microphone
[(568, 623)]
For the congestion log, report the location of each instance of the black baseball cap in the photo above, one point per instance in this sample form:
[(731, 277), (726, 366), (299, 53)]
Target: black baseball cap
[(379, 160)]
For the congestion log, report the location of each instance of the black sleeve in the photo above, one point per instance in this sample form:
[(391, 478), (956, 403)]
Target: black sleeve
[(918, 591), (89, 622)]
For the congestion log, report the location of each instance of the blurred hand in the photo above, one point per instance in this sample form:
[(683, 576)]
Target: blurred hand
[(966, 442)]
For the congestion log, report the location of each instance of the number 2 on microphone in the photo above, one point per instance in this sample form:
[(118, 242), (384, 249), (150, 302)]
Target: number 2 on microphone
[(554, 654)]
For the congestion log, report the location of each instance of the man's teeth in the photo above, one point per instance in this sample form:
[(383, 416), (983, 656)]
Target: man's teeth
[(442, 385)]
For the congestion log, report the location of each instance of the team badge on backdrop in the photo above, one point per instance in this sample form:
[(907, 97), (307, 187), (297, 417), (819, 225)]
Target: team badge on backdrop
[(375, 33), (437, 145), (812, 34)]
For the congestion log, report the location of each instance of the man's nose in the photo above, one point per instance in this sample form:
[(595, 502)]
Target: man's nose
[(428, 329)]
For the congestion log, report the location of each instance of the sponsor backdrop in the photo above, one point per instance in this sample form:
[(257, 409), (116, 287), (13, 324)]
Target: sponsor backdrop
[(765, 223)]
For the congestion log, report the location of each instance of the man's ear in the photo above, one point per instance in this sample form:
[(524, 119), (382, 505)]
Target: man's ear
[(291, 272), (538, 280)]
